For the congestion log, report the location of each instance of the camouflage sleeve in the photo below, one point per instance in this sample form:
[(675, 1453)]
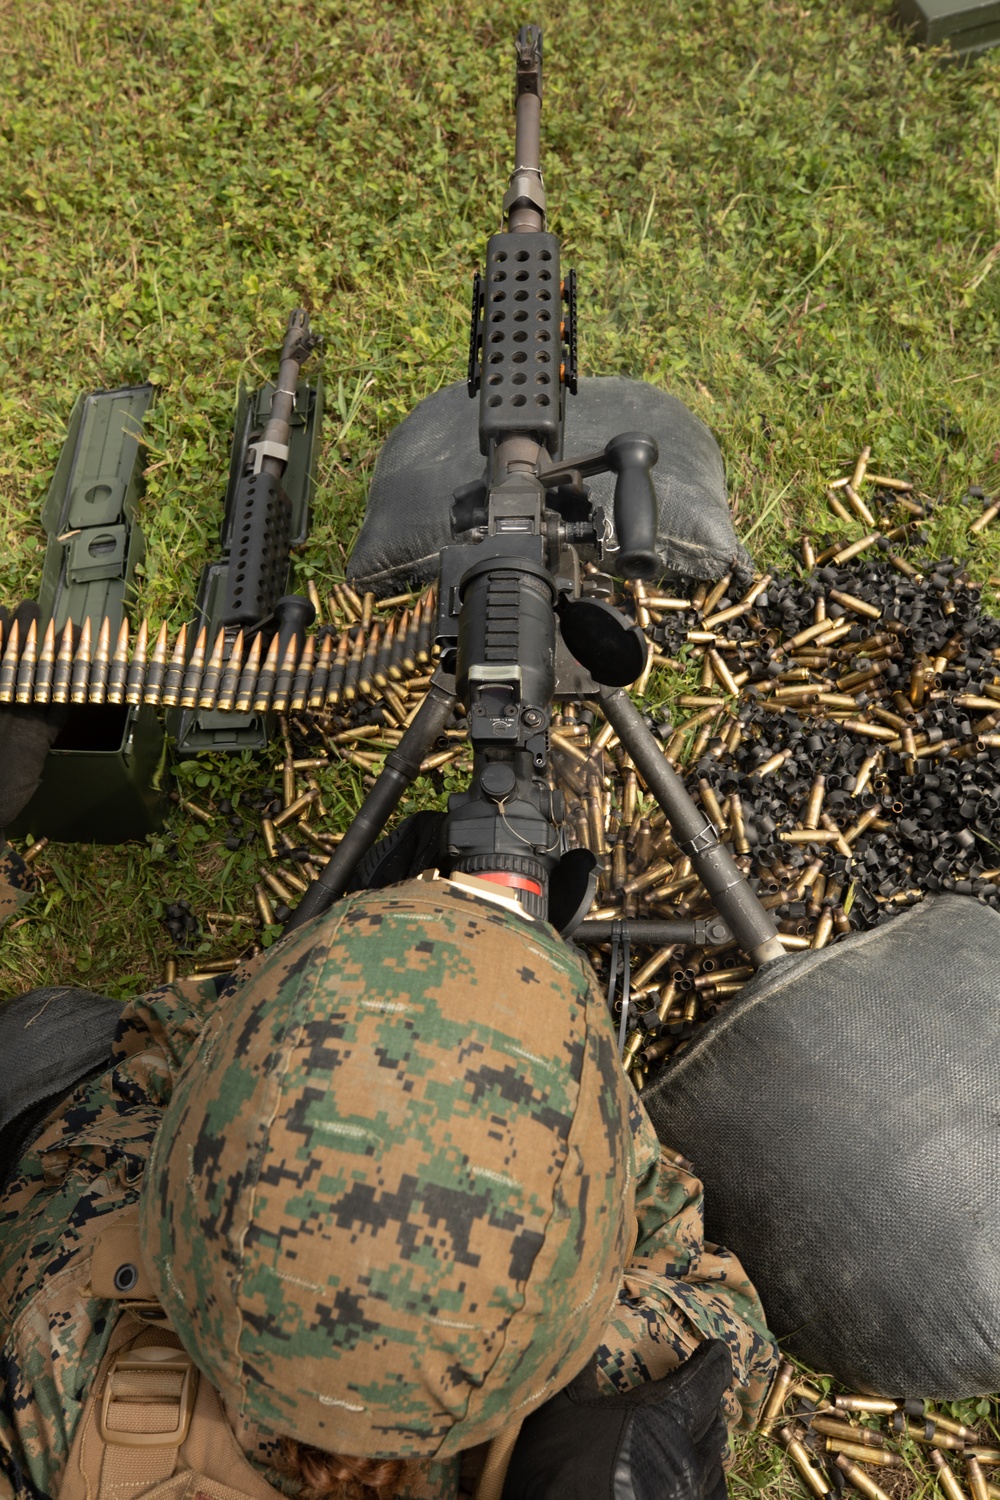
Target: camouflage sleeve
[(86, 1164), (678, 1290), (16, 881)]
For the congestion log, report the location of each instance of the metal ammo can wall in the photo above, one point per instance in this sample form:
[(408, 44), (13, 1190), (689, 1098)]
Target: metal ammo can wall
[(105, 778)]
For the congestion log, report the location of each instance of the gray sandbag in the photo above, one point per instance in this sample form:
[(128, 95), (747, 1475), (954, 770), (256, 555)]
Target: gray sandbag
[(844, 1115), (435, 449), (50, 1040)]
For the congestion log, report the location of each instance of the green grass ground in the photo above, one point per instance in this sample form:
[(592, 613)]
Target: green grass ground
[(782, 213)]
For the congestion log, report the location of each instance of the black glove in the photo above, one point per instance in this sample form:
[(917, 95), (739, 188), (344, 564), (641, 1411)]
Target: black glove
[(662, 1440), (26, 734)]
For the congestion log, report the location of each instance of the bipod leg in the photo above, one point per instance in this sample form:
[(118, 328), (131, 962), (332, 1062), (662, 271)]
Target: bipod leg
[(402, 766), (694, 834)]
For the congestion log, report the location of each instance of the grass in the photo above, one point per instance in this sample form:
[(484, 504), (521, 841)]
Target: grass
[(784, 214)]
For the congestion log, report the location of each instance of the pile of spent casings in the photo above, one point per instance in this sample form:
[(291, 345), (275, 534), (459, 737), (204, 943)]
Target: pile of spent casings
[(831, 1440)]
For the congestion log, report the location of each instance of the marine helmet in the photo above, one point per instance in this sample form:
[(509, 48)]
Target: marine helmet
[(392, 1195)]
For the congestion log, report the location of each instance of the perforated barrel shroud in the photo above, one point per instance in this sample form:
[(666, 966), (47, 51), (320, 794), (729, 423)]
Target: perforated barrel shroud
[(521, 393)]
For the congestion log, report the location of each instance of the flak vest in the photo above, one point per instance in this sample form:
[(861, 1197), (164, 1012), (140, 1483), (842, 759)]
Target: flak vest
[(153, 1426)]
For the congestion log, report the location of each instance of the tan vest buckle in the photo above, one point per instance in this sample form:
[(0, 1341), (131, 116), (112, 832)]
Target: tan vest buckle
[(150, 1360)]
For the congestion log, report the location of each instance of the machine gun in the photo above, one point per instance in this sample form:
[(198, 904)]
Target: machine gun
[(522, 619)]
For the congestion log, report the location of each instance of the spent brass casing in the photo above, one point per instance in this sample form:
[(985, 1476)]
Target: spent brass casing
[(354, 600), (874, 1405), (291, 812), (860, 467), (814, 805), (722, 673), (884, 482), (800, 1458), (828, 1426), (880, 1456), (263, 904), (852, 834), (978, 1487), (667, 999), (864, 773), (710, 803), (738, 824), (778, 1394), (948, 1424), (824, 929), (312, 594), (248, 677), (711, 622), (855, 549), (266, 678), (277, 887), (857, 505), (46, 663), (808, 553), (859, 606), (927, 1433), (860, 1480), (831, 551), (838, 507), (870, 731), (773, 763), (81, 665), (26, 665), (987, 516), (946, 1475), (715, 593)]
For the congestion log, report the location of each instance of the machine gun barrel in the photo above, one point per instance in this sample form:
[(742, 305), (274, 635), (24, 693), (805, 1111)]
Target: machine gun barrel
[(524, 203)]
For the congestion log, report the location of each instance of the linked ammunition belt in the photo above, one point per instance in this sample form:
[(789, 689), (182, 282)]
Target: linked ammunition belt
[(372, 650)]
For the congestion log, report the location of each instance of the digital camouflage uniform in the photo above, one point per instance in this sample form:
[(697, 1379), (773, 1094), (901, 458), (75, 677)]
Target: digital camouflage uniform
[(438, 1234)]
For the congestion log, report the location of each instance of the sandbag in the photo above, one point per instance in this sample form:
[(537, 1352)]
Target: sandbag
[(844, 1115), (51, 1039), (436, 448)]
